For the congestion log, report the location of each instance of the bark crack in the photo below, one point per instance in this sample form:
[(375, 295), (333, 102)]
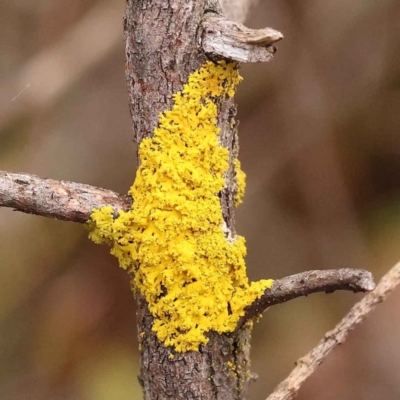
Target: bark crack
[(212, 375)]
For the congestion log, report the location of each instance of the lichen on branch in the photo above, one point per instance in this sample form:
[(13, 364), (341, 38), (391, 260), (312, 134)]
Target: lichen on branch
[(240, 182), (172, 241)]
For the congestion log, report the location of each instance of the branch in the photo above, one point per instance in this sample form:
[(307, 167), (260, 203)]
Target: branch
[(306, 365), (224, 38), (62, 200), (305, 283)]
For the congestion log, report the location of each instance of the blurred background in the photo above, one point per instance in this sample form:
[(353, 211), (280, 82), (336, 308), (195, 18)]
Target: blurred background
[(320, 142)]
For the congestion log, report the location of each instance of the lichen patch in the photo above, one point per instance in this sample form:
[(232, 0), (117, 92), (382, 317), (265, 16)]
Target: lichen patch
[(172, 240)]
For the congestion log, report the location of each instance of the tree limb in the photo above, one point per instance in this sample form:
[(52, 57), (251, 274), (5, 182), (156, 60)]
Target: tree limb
[(306, 365), (62, 200), (305, 283)]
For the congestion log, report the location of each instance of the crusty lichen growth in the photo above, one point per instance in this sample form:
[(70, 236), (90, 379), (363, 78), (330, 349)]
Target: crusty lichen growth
[(172, 240), (240, 182)]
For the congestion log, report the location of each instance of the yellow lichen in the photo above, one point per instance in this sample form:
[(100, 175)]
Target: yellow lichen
[(172, 241), (231, 365), (240, 182)]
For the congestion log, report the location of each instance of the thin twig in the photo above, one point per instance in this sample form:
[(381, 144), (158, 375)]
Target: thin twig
[(305, 283), (67, 201), (306, 365)]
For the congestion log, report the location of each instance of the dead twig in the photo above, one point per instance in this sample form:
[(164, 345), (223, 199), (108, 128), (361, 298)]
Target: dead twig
[(305, 283), (306, 365)]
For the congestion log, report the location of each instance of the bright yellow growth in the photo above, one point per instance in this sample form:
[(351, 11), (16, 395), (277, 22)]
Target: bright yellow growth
[(241, 182), (173, 240)]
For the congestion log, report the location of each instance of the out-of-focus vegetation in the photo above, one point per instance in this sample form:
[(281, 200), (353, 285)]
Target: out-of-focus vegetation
[(320, 142)]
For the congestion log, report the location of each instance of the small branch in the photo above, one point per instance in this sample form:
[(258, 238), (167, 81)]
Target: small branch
[(62, 200), (306, 365), (224, 38), (305, 283)]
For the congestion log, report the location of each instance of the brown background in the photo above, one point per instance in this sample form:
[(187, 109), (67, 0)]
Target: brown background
[(320, 142)]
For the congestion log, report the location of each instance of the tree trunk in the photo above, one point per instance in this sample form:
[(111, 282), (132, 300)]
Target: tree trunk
[(162, 49)]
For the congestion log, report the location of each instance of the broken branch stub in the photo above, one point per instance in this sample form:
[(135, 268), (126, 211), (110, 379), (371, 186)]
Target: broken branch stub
[(221, 37)]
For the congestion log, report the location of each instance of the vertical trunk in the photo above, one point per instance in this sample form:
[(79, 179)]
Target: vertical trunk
[(161, 51)]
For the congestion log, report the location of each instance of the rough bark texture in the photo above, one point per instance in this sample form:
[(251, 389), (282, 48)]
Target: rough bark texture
[(162, 49), (161, 52), (220, 370), (67, 201)]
